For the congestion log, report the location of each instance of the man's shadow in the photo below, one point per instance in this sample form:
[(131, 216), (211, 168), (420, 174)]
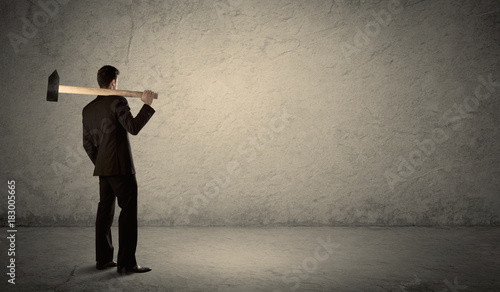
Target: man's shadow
[(89, 277)]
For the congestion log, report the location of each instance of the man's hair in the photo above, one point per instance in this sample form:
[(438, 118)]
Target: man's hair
[(106, 74)]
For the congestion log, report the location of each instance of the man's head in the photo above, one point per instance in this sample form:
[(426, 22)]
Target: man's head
[(106, 77)]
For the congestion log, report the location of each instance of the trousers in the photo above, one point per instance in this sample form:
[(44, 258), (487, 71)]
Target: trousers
[(124, 189)]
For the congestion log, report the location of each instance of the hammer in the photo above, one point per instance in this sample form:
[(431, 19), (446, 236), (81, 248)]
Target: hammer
[(54, 89)]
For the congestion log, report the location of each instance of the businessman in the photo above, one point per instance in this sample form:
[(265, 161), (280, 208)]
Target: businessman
[(106, 123)]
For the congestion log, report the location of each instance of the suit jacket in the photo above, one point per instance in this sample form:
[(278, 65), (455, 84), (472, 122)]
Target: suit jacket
[(106, 123)]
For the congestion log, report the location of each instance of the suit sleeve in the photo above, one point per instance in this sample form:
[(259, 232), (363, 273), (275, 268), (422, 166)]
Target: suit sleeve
[(131, 124), (89, 145)]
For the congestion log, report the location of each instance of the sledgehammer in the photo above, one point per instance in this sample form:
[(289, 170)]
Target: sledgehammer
[(54, 89)]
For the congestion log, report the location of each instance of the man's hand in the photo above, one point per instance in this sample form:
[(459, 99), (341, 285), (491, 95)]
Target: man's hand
[(147, 97)]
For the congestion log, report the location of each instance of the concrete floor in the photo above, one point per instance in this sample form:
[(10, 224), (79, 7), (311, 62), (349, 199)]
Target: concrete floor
[(264, 259)]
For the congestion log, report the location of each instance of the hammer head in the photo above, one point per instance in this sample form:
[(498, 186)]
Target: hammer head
[(53, 87)]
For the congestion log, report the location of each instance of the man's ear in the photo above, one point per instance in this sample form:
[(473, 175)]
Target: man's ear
[(112, 85)]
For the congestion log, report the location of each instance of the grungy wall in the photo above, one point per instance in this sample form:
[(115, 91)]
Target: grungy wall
[(270, 112)]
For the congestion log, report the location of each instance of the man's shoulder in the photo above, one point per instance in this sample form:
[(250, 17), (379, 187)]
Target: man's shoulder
[(100, 101), (89, 105), (113, 99)]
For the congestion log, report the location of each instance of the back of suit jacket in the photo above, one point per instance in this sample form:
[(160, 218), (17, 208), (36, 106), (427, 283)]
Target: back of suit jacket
[(106, 123)]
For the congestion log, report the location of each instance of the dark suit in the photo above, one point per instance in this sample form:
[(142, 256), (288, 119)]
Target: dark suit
[(106, 123)]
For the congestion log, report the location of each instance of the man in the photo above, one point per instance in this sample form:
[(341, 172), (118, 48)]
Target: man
[(106, 123)]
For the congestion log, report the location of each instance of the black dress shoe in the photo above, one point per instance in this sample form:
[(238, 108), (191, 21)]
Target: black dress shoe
[(130, 270), (109, 264)]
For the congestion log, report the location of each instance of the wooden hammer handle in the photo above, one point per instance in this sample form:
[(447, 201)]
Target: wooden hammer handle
[(100, 91)]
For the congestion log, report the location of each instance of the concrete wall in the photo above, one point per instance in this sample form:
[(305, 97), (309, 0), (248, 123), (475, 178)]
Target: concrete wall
[(270, 112)]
